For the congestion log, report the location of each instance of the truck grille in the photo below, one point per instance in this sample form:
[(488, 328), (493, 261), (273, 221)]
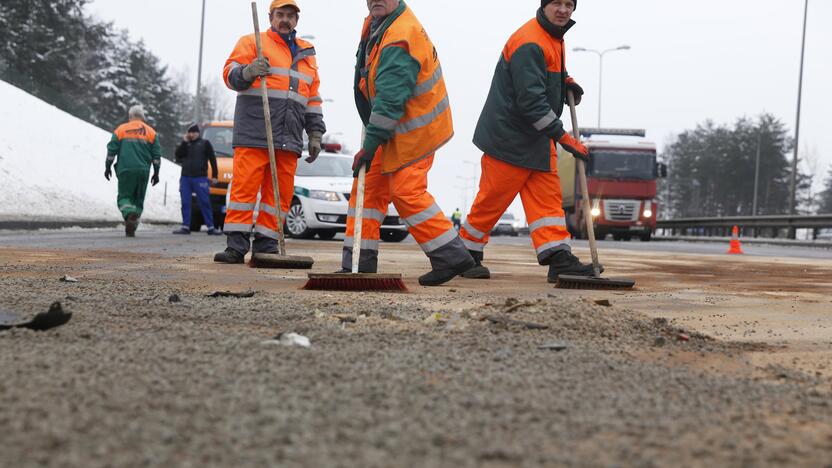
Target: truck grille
[(621, 210)]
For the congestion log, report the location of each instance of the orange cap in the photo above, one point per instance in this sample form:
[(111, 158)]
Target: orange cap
[(283, 3)]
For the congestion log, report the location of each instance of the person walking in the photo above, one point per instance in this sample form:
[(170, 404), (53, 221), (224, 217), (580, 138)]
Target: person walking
[(132, 150), (456, 218), (401, 98), (517, 131), (291, 73), (194, 154)]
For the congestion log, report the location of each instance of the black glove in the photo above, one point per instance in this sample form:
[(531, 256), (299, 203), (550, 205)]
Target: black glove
[(362, 158), (259, 67), (315, 146), (577, 91), (155, 179), (108, 172)]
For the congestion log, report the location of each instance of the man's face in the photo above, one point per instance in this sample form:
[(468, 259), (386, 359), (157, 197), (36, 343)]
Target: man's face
[(381, 8), (193, 135), (559, 12), (284, 19)]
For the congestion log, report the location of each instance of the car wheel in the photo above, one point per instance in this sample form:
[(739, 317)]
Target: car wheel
[(296, 225), (393, 235), (327, 235), (646, 237), (600, 235)]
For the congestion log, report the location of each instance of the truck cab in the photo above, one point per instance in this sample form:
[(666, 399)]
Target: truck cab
[(621, 175)]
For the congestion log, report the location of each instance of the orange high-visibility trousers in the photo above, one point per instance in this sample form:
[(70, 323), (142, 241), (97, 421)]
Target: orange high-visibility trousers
[(407, 190), (542, 200), (252, 175)]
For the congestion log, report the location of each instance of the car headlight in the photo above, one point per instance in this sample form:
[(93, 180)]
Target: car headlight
[(596, 212), (324, 195)]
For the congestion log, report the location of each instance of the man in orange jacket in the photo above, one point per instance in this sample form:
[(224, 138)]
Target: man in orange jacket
[(291, 73), (517, 132), (401, 98)]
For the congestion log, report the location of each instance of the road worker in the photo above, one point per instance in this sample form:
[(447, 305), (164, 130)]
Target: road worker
[(517, 132), (134, 147), (403, 103), (291, 73)]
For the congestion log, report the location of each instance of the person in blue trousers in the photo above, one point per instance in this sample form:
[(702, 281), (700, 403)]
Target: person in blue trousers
[(194, 154)]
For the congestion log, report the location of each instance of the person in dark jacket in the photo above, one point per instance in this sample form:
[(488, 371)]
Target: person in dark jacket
[(194, 154)]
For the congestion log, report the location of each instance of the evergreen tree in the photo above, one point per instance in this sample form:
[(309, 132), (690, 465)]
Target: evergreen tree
[(825, 202)]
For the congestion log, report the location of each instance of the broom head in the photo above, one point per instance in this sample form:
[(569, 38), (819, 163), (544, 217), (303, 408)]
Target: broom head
[(593, 282), (355, 282)]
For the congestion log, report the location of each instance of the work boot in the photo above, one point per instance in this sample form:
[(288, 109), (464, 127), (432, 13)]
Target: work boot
[(439, 277), (230, 256), (479, 271), (131, 224), (183, 231), (564, 263), (214, 232)]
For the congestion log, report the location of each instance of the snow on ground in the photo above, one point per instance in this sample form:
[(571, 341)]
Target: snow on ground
[(52, 167)]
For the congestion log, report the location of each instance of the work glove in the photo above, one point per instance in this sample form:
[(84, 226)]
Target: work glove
[(315, 146), (362, 158), (577, 91), (108, 172), (155, 179), (259, 67), (575, 147)]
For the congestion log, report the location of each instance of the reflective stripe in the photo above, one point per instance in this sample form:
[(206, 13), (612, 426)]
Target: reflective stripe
[(241, 206), (428, 85), (424, 120), (366, 244), (420, 218), (473, 231), (314, 110), (136, 140), (545, 222), (265, 231), (475, 246), (303, 54), (440, 241), (237, 227), (545, 121), (369, 213), (316, 99), (289, 72), (383, 122), (272, 210), (276, 94), (556, 245), (121, 207)]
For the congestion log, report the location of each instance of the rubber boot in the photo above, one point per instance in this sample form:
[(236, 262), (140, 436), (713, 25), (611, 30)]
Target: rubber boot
[(564, 263), (439, 277), (131, 224), (230, 256), (479, 271)]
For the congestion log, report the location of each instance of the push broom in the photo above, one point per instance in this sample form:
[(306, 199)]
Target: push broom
[(595, 281), (355, 281), (279, 260)]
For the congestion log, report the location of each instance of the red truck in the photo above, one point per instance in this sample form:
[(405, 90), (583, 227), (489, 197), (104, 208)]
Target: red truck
[(621, 175)]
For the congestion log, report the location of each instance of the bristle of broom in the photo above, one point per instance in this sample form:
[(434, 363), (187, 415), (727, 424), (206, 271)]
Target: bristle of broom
[(355, 284), (593, 283)]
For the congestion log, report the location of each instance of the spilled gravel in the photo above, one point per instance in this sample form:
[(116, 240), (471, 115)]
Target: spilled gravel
[(389, 380)]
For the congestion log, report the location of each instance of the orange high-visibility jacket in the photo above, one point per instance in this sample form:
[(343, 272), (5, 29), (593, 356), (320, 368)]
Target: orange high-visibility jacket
[(136, 146), (293, 93), (426, 124)]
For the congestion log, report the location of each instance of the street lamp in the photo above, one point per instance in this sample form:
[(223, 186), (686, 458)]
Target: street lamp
[(198, 104), (793, 188), (600, 70)]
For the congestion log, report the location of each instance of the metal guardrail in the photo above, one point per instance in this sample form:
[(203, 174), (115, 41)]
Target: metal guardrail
[(785, 222)]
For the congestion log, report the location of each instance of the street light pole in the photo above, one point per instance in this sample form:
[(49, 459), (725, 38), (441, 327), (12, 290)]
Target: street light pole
[(757, 173), (600, 55), (793, 191), (198, 105)]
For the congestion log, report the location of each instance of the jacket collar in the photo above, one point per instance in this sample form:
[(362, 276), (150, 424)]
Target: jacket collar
[(555, 31)]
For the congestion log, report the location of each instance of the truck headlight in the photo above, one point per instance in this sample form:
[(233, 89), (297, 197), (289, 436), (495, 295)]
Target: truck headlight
[(648, 213), (324, 195), (648, 209), (595, 212)]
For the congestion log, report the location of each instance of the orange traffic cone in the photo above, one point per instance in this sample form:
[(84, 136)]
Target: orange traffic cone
[(736, 246)]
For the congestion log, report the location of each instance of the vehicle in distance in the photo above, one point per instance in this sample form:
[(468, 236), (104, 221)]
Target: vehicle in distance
[(508, 225)]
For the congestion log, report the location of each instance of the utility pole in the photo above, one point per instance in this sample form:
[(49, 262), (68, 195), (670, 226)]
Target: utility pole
[(198, 104), (757, 173), (793, 191)]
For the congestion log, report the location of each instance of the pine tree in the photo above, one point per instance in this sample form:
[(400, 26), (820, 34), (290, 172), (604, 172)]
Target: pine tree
[(825, 202)]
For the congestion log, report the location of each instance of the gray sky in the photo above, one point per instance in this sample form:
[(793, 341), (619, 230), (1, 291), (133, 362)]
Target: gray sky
[(690, 61)]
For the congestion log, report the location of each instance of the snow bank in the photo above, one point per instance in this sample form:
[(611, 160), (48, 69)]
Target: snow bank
[(52, 167)]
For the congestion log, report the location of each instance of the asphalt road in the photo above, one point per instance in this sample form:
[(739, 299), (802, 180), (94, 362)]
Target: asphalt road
[(157, 239)]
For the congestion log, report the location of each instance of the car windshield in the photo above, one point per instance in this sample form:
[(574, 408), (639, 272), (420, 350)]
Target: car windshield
[(220, 138), (623, 165), (326, 166)]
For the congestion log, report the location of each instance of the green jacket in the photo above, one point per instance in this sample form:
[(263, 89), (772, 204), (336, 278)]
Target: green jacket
[(396, 79), (136, 146), (521, 116)]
